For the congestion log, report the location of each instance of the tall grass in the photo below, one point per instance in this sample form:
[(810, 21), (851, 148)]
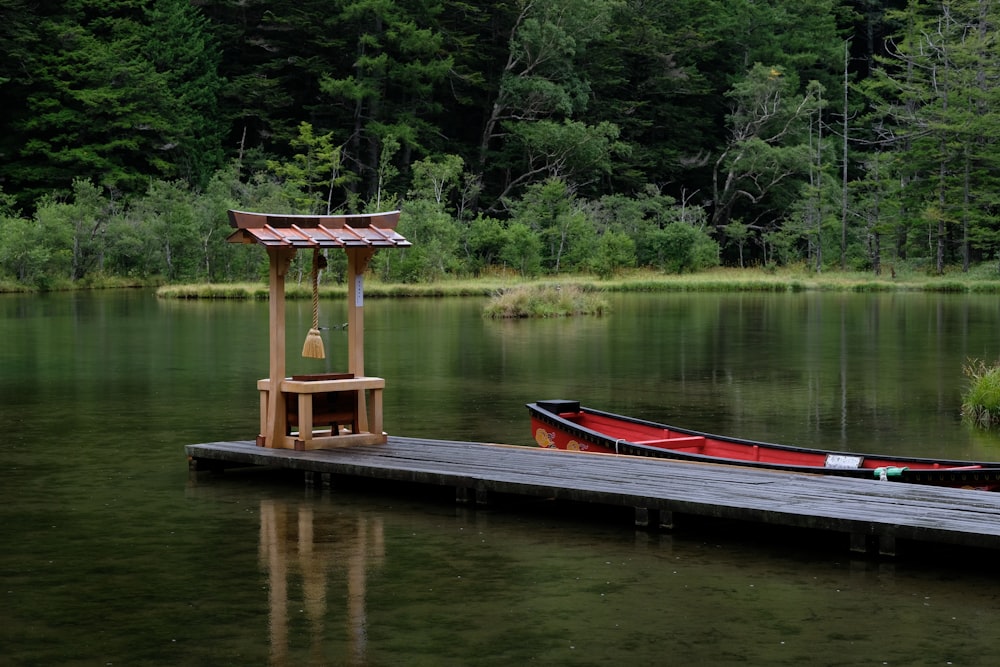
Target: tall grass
[(981, 403), (545, 301), (717, 280)]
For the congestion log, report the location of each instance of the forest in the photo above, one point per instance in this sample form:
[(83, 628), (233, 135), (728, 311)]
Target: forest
[(518, 137)]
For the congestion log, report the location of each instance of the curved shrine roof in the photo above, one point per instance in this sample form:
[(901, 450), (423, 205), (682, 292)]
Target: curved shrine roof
[(376, 230)]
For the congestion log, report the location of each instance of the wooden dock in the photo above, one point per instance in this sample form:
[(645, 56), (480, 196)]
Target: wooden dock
[(872, 515)]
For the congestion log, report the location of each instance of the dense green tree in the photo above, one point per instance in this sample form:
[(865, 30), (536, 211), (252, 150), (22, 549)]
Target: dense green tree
[(23, 255), (615, 253), (113, 94), (437, 178), (530, 135), (933, 103), (681, 248), (18, 43), (647, 74), (314, 172), (257, 103), (570, 151), (483, 243), (435, 251), (391, 85), (87, 215), (180, 48), (561, 222), (542, 83), (768, 145), (522, 250)]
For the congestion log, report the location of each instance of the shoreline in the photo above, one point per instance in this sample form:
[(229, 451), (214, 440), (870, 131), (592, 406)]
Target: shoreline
[(716, 280), (721, 280)]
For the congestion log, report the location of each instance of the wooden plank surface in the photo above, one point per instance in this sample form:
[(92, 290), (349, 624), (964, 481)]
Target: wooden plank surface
[(884, 510)]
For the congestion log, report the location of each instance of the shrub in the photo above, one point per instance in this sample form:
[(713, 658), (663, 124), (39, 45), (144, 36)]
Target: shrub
[(981, 403), (544, 301), (680, 248)]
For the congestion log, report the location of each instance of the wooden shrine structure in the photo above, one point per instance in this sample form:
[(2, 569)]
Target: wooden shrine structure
[(330, 409)]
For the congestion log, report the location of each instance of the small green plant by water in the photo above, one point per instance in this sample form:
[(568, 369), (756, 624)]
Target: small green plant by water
[(981, 403)]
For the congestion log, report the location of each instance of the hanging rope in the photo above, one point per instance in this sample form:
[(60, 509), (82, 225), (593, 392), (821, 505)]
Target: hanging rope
[(313, 347)]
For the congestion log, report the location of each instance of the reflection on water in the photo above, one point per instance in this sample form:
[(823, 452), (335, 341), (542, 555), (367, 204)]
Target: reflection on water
[(106, 545), (293, 545), (363, 578)]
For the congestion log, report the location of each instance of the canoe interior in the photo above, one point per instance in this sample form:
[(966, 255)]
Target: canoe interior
[(592, 430)]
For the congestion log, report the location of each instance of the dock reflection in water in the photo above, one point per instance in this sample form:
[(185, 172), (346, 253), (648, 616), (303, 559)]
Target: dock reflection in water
[(296, 544)]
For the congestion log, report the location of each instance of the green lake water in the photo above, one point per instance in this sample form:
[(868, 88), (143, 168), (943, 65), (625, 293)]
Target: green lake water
[(112, 554)]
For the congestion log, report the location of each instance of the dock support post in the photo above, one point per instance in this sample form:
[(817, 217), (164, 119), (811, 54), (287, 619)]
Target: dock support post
[(859, 543), (317, 479), (653, 518), (645, 516), (882, 544), (887, 545), (464, 495)]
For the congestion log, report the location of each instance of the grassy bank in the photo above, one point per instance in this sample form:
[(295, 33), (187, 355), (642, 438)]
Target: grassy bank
[(720, 280)]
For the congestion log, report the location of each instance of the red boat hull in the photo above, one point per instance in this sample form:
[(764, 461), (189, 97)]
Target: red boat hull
[(566, 425)]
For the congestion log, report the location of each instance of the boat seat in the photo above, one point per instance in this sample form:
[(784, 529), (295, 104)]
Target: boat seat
[(693, 443)]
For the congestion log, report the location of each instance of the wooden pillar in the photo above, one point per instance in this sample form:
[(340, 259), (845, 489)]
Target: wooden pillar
[(357, 263), (277, 415)]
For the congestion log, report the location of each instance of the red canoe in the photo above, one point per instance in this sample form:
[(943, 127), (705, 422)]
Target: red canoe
[(566, 425)]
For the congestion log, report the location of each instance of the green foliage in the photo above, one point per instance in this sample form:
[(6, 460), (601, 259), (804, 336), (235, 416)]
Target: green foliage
[(615, 253), (566, 231), (934, 108), (114, 95), (681, 248), (522, 250), (435, 179), (435, 238), (981, 402), (395, 70), (768, 151), (570, 150), (484, 242), (313, 174), (549, 136), (22, 256)]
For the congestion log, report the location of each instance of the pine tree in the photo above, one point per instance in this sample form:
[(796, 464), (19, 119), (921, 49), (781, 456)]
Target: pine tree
[(106, 99), (936, 102)]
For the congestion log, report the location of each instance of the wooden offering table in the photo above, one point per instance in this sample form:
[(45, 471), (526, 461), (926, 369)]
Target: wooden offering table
[(334, 400)]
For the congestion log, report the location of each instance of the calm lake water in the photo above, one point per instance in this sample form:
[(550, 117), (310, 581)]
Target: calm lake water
[(111, 554)]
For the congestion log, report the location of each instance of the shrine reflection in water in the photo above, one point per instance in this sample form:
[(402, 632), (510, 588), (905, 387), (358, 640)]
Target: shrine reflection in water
[(296, 544), (377, 578)]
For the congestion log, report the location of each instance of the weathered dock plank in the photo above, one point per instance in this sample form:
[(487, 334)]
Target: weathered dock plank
[(874, 514)]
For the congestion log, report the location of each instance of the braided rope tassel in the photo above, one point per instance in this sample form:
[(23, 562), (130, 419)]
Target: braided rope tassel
[(313, 347)]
